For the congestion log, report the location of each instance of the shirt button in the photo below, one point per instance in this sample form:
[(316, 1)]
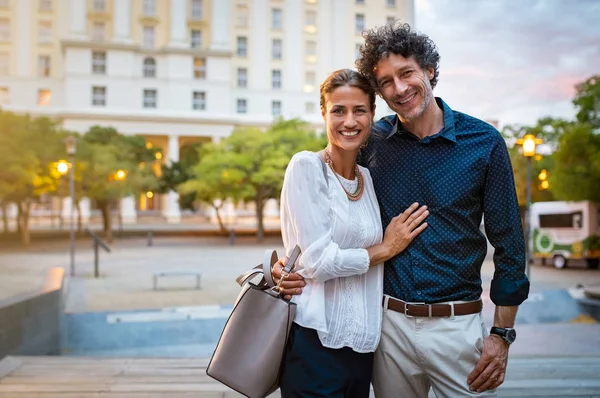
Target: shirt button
[(418, 292)]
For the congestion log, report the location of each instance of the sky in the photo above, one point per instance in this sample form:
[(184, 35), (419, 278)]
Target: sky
[(514, 61)]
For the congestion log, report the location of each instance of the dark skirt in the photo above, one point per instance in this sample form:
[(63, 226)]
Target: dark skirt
[(311, 370)]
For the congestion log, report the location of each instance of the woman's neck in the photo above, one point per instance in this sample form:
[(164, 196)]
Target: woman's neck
[(344, 162)]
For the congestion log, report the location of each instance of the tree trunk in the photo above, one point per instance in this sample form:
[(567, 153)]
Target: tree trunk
[(4, 208), (23, 222), (260, 229), (107, 219), (219, 219)]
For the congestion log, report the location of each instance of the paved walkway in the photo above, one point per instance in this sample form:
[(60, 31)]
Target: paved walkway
[(60, 377)]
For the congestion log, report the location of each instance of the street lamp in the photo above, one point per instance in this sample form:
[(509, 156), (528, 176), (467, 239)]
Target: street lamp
[(529, 143), (120, 175), (62, 167), (71, 144)]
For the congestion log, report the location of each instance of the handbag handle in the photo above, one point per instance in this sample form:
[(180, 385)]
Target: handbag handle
[(269, 259)]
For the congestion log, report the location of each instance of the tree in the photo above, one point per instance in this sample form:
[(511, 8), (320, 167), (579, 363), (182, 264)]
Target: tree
[(250, 164), (174, 174), (103, 152), (576, 175), (28, 149), (587, 101)]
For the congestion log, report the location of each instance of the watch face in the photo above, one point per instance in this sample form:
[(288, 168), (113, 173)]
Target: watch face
[(511, 335)]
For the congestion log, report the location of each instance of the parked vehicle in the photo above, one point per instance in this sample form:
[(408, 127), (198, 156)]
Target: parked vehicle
[(563, 231)]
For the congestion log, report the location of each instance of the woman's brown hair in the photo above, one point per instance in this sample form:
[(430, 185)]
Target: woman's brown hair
[(346, 77)]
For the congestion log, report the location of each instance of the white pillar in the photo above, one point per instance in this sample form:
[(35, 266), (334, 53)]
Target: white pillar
[(128, 212), (219, 25), (172, 211), (259, 45), (23, 38), (66, 211), (179, 23), (122, 22), (78, 20), (271, 208), (294, 58), (85, 206)]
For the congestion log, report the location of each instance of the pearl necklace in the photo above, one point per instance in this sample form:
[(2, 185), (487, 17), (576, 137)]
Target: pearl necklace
[(359, 188)]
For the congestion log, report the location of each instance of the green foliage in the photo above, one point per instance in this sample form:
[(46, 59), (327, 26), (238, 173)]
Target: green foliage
[(250, 164), (576, 175), (587, 101), (177, 173)]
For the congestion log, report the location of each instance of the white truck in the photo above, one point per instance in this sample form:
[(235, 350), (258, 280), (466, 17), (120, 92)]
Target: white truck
[(563, 231)]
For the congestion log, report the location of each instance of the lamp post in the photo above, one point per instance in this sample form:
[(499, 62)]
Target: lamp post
[(71, 145), (120, 176), (62, 167), (529, 143)]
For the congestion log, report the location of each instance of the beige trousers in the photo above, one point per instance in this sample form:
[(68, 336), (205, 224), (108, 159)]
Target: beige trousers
[(419, 353)]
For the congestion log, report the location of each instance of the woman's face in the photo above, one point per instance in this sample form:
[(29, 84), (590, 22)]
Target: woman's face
[(348, 117)]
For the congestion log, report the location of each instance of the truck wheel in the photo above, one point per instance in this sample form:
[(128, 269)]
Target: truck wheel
[(559, 261), (593, 263)]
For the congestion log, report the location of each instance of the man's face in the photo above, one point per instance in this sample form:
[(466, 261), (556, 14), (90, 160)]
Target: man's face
[(404, 86)]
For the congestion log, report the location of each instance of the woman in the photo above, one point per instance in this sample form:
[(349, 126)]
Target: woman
[(329, 208)]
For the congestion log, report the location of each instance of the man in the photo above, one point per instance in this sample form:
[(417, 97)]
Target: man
[(433, 333)]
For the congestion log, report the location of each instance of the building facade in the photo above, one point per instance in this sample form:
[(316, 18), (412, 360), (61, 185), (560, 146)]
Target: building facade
[(178, 71)]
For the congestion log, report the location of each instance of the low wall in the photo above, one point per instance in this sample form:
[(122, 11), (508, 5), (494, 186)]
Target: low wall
[(30, 323)]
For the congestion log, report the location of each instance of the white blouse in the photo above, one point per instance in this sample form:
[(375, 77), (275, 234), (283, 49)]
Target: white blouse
[(342, 297)]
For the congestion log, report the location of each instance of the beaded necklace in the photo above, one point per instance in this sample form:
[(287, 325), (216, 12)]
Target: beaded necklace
[(359, 188)]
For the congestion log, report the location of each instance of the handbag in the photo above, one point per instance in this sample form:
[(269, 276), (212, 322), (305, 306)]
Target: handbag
[(250, 350)]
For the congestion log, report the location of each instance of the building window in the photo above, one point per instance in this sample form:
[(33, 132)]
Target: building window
[(241, 19), (99, 5), (310, 107), (276, 108), (276, 18), (44, 65), (196, 38), (149, 98), (98, 96), (4, 96), (199, 100), (390, 20), (149, 67), (311, 19), (45, 5), (242, 46), (196, 10), (4, 30), (359, 23), (199, 68), (98, 62), (241, 106), (149, 8), (44, 32), (357, 51), (391, 3), (148, 37), (44, 97), (242, 77), (4, 64), (276, 79), (98, 31), (276, 49)]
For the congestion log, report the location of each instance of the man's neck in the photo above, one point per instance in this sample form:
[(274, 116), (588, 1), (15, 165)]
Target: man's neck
[(429, 123)]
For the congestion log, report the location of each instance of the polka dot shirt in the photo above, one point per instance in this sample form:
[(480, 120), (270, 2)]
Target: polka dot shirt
[(461, 173)]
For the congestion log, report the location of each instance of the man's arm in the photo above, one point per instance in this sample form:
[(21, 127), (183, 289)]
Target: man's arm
[(509, 286)]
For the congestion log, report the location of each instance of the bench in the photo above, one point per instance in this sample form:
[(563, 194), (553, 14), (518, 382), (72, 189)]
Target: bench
[(158, 274)]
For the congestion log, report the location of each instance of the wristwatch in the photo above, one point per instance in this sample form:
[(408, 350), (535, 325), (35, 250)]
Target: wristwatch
[(509, 335)]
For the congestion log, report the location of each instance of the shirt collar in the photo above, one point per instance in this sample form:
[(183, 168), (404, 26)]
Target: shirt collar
[(448, 131)]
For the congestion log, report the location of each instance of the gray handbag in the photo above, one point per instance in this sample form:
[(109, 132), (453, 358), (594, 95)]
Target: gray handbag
[(249, 353)]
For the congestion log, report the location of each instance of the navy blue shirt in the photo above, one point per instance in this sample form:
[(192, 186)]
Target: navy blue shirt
[(461, 173)]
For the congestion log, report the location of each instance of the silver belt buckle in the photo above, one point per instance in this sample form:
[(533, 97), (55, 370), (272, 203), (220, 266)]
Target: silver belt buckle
[(406, 304)]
